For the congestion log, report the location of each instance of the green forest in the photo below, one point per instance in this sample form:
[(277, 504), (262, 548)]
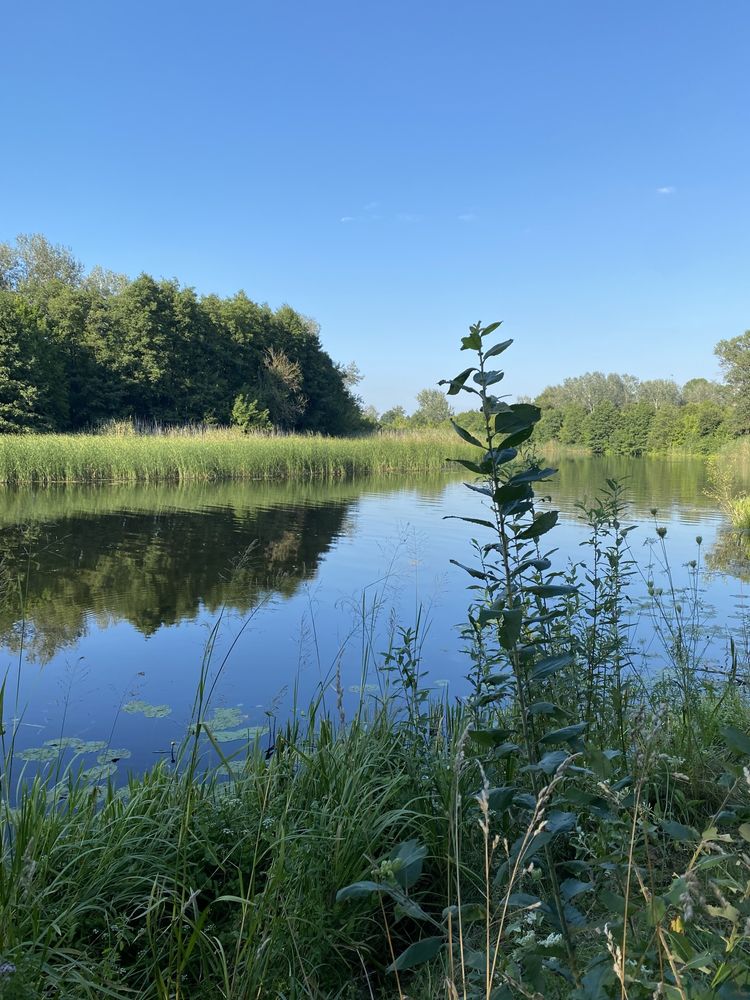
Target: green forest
[(78, 350), (621, 414)]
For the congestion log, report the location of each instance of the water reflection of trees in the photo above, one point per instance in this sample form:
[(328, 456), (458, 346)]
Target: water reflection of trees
[(154, 569), (667, 484), (156, 555), (731, 554)]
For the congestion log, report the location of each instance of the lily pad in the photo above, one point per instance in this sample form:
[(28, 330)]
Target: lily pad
[(99, 773), (225, 718), (40, 755), (150, 711), (247, 734), (112, 756)]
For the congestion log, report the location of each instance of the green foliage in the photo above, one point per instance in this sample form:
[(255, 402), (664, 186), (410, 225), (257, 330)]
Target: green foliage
[(247, 415), (734, 357), (433, 409), (618, 414), (77, 350)]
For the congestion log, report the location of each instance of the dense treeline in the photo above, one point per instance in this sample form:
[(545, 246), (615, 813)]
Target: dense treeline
[(78, 350), (620, 414)]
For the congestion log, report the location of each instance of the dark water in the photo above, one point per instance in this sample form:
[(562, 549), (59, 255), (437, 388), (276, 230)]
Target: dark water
[(111, 593)]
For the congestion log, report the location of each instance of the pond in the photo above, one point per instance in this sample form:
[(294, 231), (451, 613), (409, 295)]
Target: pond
[(112, 594)]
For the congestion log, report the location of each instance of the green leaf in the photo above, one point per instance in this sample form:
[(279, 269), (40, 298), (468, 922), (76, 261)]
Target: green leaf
[(551, 590), (499, 456), (511, 492), (465, 436), (537, 564), (572, 887), (497, 349), (501, 799), (549, 763), (488, 378), (532, 475), (358, 889), (679, 832), (509, 631), (550, 665), (471, 343), (560, 822), (545, 708), (490, 328), (540, 525), (456, 384), (408, 857), (518, 438), (736, 740), (469, 466), (489, 737), (477, 574), (517, 417), (471, 520), (417, 953), (568, 734)]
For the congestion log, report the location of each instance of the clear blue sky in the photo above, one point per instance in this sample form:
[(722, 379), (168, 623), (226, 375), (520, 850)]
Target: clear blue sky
[(399, 169)]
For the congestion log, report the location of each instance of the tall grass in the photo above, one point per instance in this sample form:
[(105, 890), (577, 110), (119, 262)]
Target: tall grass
[(214, 455)]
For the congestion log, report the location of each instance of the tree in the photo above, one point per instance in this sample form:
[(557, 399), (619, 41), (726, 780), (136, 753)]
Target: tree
[(702, 390), (734, 358), (433, 408), (394, 419), (247, 415), (659, 392), (631, 434), (32, 393), (35, 262), (600, 426)]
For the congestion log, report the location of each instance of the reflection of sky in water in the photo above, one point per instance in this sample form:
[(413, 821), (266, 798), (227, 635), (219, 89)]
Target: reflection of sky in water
[(384, 541)]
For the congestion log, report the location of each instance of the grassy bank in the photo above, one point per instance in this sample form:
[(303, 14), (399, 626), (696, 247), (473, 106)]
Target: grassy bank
[(46, 459)]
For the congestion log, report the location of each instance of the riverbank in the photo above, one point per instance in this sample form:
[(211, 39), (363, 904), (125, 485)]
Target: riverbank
[(214, 455)]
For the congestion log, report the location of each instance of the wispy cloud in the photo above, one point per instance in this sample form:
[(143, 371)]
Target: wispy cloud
[(371, 206), (467, 217), (667, 189), (346, 218), (407, 217)]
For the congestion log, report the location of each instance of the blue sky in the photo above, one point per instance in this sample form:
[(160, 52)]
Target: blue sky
[(400, 169)]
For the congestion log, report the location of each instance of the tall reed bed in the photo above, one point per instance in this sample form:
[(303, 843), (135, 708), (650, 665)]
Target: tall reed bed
[(213, 455)]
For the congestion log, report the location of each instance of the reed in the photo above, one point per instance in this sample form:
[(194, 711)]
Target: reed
[(213, 455)]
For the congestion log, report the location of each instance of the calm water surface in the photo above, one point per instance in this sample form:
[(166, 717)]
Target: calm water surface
[(122, 586)]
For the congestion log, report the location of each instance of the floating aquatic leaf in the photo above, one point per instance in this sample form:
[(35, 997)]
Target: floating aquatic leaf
[(64, 743), (247, 733), (111, 756), (225, 718), (39, 754), (99, 773), (150, 711)]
